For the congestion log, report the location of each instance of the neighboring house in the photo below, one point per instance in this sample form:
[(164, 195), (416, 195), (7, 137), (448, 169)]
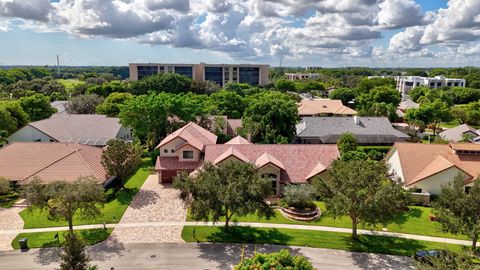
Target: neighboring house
[(61, 106), (459, 132), (302, 76), (281, 163), (181, 151), (22, 161), (405, 105), (425, 168), (188, 148), (323, 107), (367, 130), (233, 126), (88, 129)]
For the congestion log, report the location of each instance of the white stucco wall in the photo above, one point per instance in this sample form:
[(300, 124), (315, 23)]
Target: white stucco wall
[(393, 161), (170, 147), (434, 183), (124, 134), (29, 134), (196, 153)]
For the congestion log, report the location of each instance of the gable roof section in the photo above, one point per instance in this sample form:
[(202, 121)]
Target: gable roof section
[(368, 129), (238, 140), (298, 160), (455, 134), (420, 161), (267, 158), (231, 152), (323, 106), (193, 134), (88, 129), (21, 161)]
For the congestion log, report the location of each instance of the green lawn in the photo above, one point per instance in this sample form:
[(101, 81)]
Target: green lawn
[(318, 239), (415, 221), (69, 83), (47, 239), (111, 213)]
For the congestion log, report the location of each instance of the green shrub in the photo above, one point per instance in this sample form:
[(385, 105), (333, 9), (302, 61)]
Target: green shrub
[(299, 196), (277, 260), (5, 186)]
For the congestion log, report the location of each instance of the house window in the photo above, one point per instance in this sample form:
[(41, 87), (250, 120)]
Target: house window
[(165, 151), (172, 151), (187, 154), (272, 177), (467, 189)]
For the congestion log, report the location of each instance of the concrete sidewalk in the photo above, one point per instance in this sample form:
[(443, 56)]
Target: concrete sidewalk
[(251, 224)]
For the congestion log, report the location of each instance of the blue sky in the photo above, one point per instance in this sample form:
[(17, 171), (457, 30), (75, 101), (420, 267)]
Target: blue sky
[(322, 33)]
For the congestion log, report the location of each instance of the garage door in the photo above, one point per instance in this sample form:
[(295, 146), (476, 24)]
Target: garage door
[(168, 176)]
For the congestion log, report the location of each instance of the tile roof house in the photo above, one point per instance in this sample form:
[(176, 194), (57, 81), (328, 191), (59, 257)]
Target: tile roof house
[(367, 130), (88, 129), (21, 161), (323, 107), (182, 150), (404, 106), (426, 167), (188, 148), (283, 164), (457, 133)]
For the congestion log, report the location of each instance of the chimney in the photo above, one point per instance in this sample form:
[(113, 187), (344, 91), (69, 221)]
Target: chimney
[(356, 120)]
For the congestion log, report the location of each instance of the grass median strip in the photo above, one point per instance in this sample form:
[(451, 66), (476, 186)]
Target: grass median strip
[(112, 211), (47, 239), (318, 239)]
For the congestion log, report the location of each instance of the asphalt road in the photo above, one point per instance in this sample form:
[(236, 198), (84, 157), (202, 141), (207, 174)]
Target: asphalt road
[(179, 256)]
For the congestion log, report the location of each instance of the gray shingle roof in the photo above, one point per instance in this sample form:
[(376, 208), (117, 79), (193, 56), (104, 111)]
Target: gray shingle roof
[(374, 130), (455, 134), (89, 129)]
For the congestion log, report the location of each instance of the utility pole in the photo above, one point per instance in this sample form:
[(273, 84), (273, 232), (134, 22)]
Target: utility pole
[(58, 66)]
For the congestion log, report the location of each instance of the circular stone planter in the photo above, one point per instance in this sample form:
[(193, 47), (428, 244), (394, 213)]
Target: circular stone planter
[(301, 215)]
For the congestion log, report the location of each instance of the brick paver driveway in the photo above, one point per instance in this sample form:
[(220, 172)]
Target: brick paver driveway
[(153, 203), (9, 220)]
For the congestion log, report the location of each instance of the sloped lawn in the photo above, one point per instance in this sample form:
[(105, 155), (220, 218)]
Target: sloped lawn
[(415, 221), (111, 213)]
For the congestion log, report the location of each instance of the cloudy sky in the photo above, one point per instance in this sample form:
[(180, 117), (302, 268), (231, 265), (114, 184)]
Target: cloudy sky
[(330, 33)]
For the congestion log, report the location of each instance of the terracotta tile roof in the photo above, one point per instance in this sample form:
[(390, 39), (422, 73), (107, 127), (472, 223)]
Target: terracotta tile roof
[(419, 161), (267, 158), (299, 160), (21, 161), (192, 133), (230, 152), (238, 140), (323, 106), (173, 163), (465, 146)]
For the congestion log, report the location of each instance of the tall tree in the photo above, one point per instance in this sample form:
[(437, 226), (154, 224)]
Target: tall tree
[(232, 188), (458, 211), (111, 105), (84, 104), (37, 106), (347, 142), (3, 136), (121, 159), (432, 113), (271, 118), (228, 103), (366, 195), (73, 256), (344, 94), (284, 85), (65, 200), (147, 116)]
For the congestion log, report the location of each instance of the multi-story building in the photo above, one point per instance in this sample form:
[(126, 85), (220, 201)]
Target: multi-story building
[(313, 68), (406, 83), (219, 73), (302, 76)]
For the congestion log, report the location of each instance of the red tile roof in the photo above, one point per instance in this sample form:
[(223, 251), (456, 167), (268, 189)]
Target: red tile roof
[(238, 140), (21, 161), (299, 160), (192, 133)]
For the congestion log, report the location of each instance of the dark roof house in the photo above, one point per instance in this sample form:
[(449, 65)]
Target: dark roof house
[(367, 130)]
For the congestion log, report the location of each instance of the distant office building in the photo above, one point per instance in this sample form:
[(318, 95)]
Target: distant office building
[(302, 76), (219, 73), (313, 68), (405, 83)]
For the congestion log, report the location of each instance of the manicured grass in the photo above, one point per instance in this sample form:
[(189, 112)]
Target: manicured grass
[(47, 239), (414, 221), (111, 213), (69, 83), (318, 239)]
